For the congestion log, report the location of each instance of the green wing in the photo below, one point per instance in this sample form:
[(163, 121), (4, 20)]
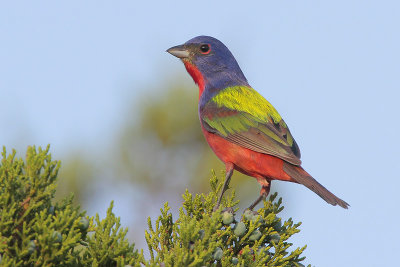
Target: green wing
[(242, 116)]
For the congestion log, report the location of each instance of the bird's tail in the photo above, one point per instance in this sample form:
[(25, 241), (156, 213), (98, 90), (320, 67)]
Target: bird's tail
[(302, 177)]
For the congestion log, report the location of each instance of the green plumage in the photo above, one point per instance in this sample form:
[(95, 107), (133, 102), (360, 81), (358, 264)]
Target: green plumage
[(241, 115), (248, 100)]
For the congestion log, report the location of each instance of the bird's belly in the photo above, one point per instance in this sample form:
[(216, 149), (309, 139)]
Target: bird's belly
[(245, 160)]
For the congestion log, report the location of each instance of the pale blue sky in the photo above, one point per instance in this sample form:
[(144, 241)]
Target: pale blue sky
[(69, 69)]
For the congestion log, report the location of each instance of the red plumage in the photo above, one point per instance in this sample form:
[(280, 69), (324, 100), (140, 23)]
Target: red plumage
[(258, 165), (196, 75)]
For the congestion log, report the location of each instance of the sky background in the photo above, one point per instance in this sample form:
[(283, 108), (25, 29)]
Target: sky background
[(69, 70)]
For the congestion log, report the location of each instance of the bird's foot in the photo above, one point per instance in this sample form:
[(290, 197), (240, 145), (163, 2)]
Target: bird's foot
[(258, 200), (216, 207)]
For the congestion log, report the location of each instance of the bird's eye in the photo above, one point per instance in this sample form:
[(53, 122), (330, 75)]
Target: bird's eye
[(205, 48)]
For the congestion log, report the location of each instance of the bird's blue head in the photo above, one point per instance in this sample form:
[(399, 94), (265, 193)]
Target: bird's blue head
[(210, 63)]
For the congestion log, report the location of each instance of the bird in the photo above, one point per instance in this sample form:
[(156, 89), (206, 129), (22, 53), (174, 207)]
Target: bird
[(242, 128)]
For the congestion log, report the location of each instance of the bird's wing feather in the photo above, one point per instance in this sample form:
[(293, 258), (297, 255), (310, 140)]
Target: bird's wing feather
[(242, 116)]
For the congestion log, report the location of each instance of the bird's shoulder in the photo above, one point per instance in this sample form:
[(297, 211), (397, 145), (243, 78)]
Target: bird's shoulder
[(243, 99)]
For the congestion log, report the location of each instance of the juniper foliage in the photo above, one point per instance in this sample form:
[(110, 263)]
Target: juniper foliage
[(36, 230), (202, 237)]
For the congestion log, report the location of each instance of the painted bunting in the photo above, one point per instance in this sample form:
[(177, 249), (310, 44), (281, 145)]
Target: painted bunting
[(242, 128)]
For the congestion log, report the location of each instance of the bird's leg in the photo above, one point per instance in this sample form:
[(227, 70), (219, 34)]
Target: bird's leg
[(229, 172), (263, 194)]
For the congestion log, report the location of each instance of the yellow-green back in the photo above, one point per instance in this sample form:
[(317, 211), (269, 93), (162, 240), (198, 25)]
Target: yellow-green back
[(246, 99)]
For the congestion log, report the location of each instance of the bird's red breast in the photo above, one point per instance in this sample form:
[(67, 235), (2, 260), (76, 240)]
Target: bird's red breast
[(245, 160)]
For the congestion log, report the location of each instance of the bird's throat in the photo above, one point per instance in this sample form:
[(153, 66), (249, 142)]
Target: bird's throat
[(196, 75)]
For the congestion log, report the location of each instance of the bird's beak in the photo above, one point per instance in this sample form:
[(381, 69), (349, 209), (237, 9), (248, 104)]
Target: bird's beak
[(179, 51)]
